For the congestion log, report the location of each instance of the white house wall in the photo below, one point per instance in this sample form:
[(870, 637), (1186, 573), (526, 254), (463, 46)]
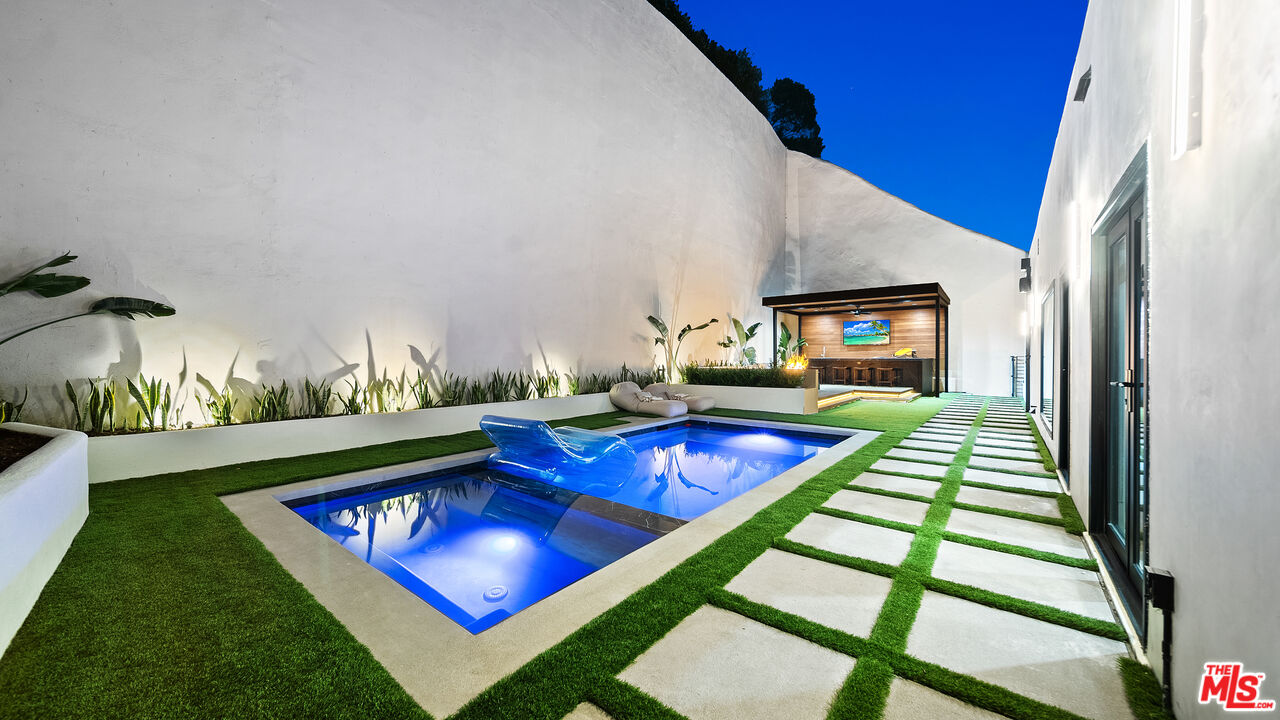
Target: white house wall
[(314, 184), (1213, 223), (847, 233)]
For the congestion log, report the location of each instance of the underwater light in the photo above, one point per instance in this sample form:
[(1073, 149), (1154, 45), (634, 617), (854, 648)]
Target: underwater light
[(503, 543)]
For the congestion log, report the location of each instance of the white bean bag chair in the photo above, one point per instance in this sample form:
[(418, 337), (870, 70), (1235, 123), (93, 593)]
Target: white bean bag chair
[(628, 396), (696, 403)]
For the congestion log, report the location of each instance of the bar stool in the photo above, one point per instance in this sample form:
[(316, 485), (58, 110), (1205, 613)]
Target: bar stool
[(861, 376)]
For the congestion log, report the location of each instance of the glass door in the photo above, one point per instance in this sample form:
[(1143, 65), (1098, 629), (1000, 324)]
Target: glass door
[(1123, 486)]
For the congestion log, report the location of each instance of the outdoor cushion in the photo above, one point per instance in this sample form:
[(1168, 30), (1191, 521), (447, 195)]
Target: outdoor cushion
[(627, 396), (696, 403)]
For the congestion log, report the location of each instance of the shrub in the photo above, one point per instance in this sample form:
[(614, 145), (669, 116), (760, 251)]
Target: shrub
[(743, 377)]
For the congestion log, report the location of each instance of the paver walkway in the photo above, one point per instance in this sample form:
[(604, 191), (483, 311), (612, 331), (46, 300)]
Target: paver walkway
[(942, 578)]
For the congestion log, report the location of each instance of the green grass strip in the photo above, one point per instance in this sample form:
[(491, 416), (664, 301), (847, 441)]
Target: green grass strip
[(868, 519), (913, 476), (864, 693), (1027, 608), (981, 596), (626, 702), (1049, 464), (1015, 514), (977, 692), (1007, 471), (1008, 488), (1046, 556), (889, 493), (943, 463), (998, 456), (1072, 521), (849, 561), (1142, 688)]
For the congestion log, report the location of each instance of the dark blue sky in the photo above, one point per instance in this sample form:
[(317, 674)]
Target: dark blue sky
[(950, 105)]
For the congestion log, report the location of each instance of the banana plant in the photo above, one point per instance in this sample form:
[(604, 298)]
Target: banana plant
[(664, 339), (46, 285), (154, 401), (786, 349), (125, 307), (51, 285), (746, 355)]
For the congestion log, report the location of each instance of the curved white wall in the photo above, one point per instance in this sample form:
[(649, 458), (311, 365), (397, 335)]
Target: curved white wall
[(843, 232), (497, 183)]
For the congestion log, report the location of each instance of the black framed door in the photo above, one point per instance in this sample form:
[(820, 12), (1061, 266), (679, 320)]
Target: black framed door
[(1064, 382), (1119, 482)]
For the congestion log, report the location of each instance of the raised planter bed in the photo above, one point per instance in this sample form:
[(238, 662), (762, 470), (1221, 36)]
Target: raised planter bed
[(119, 457), (44, 500), (799, 400)]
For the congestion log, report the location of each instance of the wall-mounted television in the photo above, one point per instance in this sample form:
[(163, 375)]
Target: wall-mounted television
[(866, 332)]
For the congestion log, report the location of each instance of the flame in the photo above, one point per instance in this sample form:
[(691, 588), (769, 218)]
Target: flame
[(797, 362)]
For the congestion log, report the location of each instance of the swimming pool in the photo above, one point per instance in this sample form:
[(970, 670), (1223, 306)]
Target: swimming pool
[(479, 544)]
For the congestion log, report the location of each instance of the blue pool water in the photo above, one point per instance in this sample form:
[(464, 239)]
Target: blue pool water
[(480, 544)]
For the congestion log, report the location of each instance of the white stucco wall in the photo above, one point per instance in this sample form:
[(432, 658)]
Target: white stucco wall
[(1214, 220), (496, 184), (843, 232)]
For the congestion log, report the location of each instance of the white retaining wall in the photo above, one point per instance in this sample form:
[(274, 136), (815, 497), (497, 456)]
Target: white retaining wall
[(44, 500), (315, 183), (143, 454)]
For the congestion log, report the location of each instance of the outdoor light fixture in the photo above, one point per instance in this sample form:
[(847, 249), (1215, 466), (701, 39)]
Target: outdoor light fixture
[(1024, 282), (1082, 87)]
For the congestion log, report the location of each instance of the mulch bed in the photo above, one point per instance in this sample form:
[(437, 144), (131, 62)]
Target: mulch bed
[(15, 445)]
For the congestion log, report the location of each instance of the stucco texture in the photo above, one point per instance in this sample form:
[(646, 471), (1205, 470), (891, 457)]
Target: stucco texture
[(1213, 212), (314, 184), (844, 233)]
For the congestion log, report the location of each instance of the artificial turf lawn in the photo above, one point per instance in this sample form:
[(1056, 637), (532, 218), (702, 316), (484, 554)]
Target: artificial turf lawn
[(137, 624), (165, 606)]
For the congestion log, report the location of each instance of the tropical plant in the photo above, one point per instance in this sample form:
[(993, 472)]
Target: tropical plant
[(387, 394), (12, 411), (546, 385), (742, 336), (574, 382), (218, 406), (154, 401), (356, 401), (421, 389), (272, 403), (452, 390), (46, 285), (787, 348), (50, 285), (315, 398), (664, 339), (75, 406)]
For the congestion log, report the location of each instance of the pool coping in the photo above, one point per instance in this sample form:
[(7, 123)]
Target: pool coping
[(438, 662)]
